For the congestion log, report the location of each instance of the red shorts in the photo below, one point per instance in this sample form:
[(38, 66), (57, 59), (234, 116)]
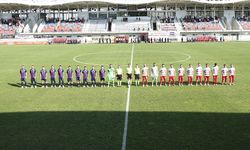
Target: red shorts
[(206, 78), (163, 78), (198, 78), (224, 78), (144, 78), (215, 78), (231, 78), (171, 78), (190, 79), (180, 79)]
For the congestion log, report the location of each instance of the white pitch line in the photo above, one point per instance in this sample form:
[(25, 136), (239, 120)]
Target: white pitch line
[(85, 63), (188, 57), (182, 60), (80, 62), (125, 130)]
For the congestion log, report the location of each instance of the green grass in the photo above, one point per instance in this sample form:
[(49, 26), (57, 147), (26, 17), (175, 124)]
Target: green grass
[(195, 118)]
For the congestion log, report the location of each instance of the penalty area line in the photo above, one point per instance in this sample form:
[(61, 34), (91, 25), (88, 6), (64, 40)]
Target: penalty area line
[(125, 130)]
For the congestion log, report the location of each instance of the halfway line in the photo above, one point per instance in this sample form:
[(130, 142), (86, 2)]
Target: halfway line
[(125, 130)]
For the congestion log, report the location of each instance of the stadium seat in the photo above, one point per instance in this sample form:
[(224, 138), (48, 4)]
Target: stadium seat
[(10, 26), (245, 25), (188, 26), (63, 27)]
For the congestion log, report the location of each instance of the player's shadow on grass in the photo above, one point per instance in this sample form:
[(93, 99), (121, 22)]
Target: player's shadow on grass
[(98, 84), (15, 84), (19, 85), (103, 130)]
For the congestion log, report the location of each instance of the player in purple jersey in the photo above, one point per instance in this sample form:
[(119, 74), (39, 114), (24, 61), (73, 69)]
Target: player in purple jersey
[(33, 76), (43, 74), (23, 74), (60, 72), (85, 73), (102, 76), (70, 76), (78, 75), (52, 73), (93, 76)]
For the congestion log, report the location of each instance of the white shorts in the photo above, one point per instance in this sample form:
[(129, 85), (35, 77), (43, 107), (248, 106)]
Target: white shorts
[(154, 77)]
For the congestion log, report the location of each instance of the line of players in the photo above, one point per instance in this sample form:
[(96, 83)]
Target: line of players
[(143, 73)]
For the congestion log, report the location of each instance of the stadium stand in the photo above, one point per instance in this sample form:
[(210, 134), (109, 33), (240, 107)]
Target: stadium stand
[(244, 22), (57, 25), (199, 23), (9, 27), (7, 30), (245, 25)]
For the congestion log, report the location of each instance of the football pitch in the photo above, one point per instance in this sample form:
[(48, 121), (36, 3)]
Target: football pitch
[(121, 118)]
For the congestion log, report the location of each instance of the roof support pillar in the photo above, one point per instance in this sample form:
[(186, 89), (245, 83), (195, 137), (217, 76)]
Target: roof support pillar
[(68, 13), (58, 9), (108, 11), (195, 11), (166, 10), (98, 11), (214, 12), (242, 10), (155, 12), (205, 11)]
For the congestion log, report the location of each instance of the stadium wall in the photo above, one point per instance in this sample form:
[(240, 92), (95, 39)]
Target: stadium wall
[(107, 38), (244, 37), (24, 41)]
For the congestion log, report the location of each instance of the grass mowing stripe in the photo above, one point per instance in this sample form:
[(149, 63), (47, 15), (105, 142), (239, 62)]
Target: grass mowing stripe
[(125, 131)]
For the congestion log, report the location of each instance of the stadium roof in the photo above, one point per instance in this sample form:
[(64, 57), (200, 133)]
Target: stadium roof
[(127, 2), (6, 5)]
